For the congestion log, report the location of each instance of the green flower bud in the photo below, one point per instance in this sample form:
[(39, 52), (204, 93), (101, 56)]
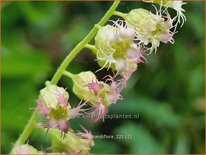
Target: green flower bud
[(71, 143)]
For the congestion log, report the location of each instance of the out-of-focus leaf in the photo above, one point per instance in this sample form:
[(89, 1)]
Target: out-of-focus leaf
[(182, 143), (72, 35), (142, 141), (16, 107), (194, 17), (24, 63), (158, 112), (44, 16), (20, 59), (196, 82), (104, 147)]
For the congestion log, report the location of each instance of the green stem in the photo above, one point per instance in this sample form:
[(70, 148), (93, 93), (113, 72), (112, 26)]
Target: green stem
[(92, 48), (117, 13), (31, 124), (27, 130), (68, 74), (81, 45)]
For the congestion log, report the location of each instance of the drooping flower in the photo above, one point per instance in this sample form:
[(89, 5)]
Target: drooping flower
[(113, 52), (53, 105), (150, 28), (97, 93), (87, 87)]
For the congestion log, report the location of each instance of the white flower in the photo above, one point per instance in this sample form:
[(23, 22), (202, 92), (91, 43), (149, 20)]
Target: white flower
[(151, 28), (115, 53)]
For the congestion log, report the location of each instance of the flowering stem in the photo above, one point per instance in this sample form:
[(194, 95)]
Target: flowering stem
[(82, 44), (29, 127)]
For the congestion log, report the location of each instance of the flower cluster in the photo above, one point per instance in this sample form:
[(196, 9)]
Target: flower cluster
[(120, 47)]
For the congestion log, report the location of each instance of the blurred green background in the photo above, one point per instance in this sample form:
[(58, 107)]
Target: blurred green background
[(167, 92)]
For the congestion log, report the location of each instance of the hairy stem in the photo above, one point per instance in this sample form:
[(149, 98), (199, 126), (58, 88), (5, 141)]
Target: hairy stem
[(27, 130), (31, 124)]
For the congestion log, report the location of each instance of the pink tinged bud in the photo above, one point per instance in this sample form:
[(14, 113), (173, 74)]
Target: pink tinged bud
[(43, 108)]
